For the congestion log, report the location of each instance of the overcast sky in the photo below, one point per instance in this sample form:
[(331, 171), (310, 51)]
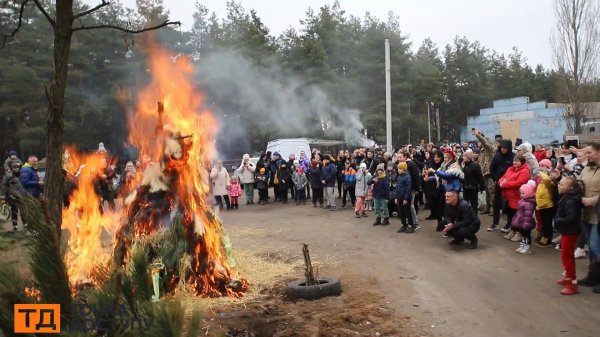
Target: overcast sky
[(498, 24)]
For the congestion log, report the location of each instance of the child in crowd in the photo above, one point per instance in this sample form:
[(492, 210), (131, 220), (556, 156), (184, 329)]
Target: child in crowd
[(262, 184), (349, 184), (523, 221), (300, 181), (544, 200), (403, 197), (234, 192), (566, 222), (380, 195), (369, 199)]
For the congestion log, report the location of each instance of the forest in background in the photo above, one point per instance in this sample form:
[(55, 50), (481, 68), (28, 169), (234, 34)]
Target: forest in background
[(318, 80)]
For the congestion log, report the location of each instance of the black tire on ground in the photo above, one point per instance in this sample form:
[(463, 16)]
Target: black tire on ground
[(328, 286)]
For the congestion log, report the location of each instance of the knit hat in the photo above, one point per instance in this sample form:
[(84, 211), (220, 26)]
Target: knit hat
[(546, 163), (525, 147), (276, 154), (363, 166), (262, 170), (246, 156), (402, 166), (532, 184), (381, 167), (12, 153), (527, 190), (300, 170)]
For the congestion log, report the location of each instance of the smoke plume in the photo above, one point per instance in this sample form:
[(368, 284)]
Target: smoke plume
[(274, 99)]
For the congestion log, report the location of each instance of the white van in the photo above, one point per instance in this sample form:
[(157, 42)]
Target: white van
[(288, 146)]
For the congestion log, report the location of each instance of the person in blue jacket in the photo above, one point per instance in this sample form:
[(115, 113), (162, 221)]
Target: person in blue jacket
[(29, 177), (329, 176), (403, 198)]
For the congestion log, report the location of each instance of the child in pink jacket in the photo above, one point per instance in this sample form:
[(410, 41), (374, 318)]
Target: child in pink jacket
[(234, 192)]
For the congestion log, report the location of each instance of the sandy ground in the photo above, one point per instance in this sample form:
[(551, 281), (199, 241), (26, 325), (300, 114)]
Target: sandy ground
[(430, 287), (394, 284)]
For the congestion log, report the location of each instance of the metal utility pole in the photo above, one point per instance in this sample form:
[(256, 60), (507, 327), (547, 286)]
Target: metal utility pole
[(439, 126), (429, 122), (388, 98)]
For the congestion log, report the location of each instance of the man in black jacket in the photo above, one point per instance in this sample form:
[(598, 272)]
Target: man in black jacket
[(502, 160), (460, 221), (473, 182)]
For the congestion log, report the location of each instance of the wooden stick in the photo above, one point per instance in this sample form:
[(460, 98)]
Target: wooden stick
[(308, 270)]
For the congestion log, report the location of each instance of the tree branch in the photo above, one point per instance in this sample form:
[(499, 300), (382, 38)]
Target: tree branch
[(131, 31), (14, 32), (91, 10), (41, 8)]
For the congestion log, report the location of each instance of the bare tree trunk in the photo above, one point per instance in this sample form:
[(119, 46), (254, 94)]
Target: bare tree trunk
[(56, 103)]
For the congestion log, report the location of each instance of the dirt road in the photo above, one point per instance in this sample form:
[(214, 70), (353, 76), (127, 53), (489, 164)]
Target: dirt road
[(443, 290)]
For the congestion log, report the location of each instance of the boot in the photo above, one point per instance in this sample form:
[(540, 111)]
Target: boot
[(510, 235), (562, 281), (386, 221), (402, 229), (592, 278), (570, 287), (474, 242), (377, 222)]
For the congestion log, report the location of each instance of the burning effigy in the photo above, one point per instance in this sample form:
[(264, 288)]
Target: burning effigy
[(167, 214)]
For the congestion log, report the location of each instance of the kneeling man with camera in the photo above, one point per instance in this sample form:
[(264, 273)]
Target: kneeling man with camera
[(460, 221)]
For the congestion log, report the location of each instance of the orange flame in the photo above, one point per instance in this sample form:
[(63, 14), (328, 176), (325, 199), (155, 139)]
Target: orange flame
[(175, 136)]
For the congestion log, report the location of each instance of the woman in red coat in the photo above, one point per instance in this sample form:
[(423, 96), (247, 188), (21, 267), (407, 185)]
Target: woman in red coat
[(515, 177)]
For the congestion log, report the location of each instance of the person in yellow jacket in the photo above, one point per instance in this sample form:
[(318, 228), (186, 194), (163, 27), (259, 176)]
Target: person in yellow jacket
[(544, 200)]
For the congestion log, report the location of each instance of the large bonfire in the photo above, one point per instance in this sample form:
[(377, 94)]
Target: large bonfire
[(167, 211)]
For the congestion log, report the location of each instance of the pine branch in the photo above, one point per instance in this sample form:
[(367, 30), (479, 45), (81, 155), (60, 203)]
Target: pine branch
[(16, 30), (130, 31), (41, 8), (91, 10)]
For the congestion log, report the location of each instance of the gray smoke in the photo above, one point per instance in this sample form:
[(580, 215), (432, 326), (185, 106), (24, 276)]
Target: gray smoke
[(274, 98)]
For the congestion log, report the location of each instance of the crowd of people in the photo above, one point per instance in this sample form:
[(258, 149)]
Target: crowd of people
[(549, 189)]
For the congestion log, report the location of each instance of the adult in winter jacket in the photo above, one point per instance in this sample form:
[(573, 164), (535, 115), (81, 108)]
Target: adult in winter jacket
[(452, 177), (486, 154), (315, 178), (29, 178), (590, 181), (525, 150), (246, 172), (220, 181), (515, 177), (284, 177), (473, 180), (329, 174), (502, 160), (460, 221)]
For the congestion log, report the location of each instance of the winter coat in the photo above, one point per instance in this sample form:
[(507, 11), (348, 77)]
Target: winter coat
[(246, 173), (540, 155), (544, 194), (300, 180), (315, 177), (9, 181), (533, 164), (590, 179), (415, 174), (432, 186), (380, 188), (349, 176), (568, 213), (220, 180), (234, 190), (524, 218), (262, 181), (30, 180), (510, 183), (452, 178), (461, 215), (473, 177), (392, 180), (403, 187), (329, 173), (502, 162), (362, 182), (304, 163), (284, 175), (340, 166)]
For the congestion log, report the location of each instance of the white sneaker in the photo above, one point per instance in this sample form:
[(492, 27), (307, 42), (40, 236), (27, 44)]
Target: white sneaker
[(510, 235), (517, 237), (579, 253), (518, 250), (556, 240), (526, 250)]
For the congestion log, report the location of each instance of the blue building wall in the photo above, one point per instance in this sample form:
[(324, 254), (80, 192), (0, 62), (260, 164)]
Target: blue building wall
[(533, 122)]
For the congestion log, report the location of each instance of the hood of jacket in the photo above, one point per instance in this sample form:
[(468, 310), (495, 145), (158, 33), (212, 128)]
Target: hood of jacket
[(507, 144)]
